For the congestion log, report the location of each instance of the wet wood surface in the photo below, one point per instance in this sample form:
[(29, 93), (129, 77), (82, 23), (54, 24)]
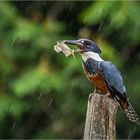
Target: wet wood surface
[(100, 118)]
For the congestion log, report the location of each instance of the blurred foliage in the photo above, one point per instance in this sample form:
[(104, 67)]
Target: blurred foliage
[(43, 94)]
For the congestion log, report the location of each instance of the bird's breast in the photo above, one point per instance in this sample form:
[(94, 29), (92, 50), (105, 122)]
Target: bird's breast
[(97, 80)]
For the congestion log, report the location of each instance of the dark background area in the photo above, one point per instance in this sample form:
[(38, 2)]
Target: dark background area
[(43, 94)]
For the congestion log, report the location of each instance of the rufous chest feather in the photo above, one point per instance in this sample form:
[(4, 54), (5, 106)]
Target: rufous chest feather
[(97, 80)]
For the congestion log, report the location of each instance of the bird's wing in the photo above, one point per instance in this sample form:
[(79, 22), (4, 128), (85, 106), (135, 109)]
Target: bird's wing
[(114, 81)]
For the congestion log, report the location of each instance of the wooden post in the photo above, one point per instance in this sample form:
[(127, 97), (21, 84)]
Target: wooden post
[(101, 118)]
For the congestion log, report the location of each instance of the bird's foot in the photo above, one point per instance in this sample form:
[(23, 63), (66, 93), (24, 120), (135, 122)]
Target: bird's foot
[(108, 95), (90, 96)]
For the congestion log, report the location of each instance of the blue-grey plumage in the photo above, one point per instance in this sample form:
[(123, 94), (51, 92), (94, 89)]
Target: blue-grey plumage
[(114, 81)]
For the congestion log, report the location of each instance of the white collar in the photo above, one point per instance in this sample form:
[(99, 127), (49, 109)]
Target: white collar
[(87, 55)]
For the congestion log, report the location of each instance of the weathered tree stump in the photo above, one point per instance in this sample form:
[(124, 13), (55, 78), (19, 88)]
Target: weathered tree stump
[(100, 118)]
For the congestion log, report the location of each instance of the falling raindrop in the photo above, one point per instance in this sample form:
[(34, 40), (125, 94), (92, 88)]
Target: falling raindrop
[(132, 133), (111, 22), (12, 107), (40, 95), (100, 26), (12, 42), (85, 19), (13, 127), (8, 68), (99, 14), (50, 102)]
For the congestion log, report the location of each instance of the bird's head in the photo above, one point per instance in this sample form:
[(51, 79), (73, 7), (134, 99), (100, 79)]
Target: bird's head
[(84, 45)]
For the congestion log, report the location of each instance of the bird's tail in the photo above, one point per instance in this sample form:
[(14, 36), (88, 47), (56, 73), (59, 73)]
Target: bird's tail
[(131, 114)]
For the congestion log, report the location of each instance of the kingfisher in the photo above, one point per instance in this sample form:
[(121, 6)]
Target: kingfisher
[(104, 75)]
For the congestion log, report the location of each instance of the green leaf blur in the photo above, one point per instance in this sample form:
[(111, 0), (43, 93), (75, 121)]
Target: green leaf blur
[(44, 94)]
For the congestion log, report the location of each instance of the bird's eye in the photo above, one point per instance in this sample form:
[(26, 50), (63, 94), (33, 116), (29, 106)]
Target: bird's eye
[(85, 42)]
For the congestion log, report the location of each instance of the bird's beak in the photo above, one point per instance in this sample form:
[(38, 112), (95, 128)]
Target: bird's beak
[(73, 42), (77, 43)]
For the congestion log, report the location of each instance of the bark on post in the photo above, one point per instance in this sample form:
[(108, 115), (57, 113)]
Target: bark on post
[(101, 118)]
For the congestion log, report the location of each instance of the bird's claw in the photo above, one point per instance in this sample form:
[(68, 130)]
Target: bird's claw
[(90, 96)]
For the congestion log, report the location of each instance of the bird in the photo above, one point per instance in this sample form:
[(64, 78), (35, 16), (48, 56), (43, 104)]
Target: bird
[(104, 75)]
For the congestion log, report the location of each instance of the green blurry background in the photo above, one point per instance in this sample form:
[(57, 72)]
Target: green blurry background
[(43, 94)]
